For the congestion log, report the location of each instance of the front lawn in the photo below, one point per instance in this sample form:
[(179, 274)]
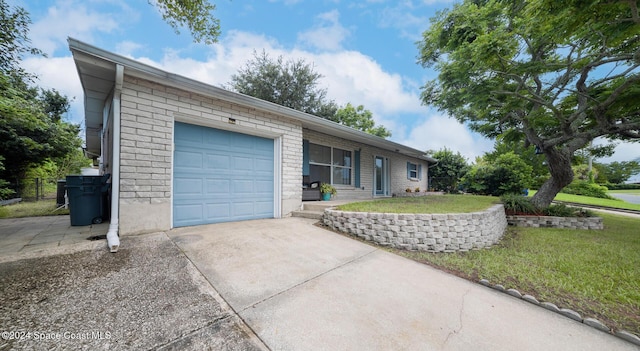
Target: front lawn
[(424, 204), (587, 200), (596, 273)]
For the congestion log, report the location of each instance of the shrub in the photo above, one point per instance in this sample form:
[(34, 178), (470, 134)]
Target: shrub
[(622, 186), (585, 188), (559, 210), (446, 174), (518, 204), (507, 174)]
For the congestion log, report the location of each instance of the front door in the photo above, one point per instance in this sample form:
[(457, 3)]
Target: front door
[(381, 176)]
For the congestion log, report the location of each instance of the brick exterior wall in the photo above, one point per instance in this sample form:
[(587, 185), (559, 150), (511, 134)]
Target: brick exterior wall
[(397, 167), (148, 112)]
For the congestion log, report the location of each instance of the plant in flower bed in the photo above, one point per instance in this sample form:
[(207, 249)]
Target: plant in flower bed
[(520, 205)]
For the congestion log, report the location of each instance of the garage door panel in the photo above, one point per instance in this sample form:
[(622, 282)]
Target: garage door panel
[(218, 210), (263, 187), (230, 176), (188, 186), (218, 186), (188, 212), (243, 186), (218, 161), (188, 159)]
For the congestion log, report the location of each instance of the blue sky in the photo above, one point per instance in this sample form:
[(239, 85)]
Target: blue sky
[(365, 50)]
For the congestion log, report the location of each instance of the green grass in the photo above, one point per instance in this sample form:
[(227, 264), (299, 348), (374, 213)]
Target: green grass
[(630, 191), (596, 273), (587, 200), (424, 204), (31, 209)]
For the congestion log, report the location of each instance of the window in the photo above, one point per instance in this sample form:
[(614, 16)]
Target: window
[(414, 171), (329, 165)]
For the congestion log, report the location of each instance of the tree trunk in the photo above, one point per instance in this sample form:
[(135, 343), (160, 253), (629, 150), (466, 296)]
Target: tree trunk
[(559, 163)]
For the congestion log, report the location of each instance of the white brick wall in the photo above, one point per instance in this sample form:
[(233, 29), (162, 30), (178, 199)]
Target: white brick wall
[(148, 112), (397, 167)]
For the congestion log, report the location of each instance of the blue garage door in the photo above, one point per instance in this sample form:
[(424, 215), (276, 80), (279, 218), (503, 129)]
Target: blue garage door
[(220, 176)]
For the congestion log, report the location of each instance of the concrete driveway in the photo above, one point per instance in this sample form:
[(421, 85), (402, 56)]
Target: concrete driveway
[(300, 287)]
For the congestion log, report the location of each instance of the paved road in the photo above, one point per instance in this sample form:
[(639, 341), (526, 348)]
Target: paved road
[(630, 198)]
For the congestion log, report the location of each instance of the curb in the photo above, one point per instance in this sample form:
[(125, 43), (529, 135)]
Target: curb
[(592, 322)]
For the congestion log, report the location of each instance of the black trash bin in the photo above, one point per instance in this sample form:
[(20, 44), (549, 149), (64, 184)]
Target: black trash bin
[(87, 198)]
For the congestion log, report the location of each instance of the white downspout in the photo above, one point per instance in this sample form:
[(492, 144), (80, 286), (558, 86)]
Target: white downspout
[(112, 235)]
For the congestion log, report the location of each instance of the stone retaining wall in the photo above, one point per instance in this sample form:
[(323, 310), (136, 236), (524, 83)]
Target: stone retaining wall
[(423, 232), (593, 223)]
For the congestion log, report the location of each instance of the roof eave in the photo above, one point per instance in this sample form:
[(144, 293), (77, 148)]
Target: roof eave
[(308, 121)]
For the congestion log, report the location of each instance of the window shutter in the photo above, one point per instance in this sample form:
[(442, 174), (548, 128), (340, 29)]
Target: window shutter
[(420, 172), (305, 157), (356, 168), (408, 170)]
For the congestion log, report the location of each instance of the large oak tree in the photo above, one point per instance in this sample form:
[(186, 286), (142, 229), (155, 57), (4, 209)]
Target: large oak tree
[(555, 74)]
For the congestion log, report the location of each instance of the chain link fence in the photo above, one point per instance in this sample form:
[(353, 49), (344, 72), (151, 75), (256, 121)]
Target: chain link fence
[(35, 189)]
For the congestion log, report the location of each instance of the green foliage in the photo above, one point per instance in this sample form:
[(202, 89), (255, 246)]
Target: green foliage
[(527, 153), (5, 191), (619, 172), (360, 119), (518, 204), (533, 71), (582, 172), (195, 14), (446, 174), (31, 128), (293, 84), (14, 40), (623, 186), (507, 174), (562, 210), (327, 188), (587, 188)]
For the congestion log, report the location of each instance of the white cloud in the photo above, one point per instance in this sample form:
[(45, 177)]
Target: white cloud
[(624, 151), (59, 73), (73, 18), (438, 131), (127, 48), (328, 34)]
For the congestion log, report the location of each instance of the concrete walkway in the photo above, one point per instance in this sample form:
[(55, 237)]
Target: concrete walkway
[(300, 287), (33, 234)]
